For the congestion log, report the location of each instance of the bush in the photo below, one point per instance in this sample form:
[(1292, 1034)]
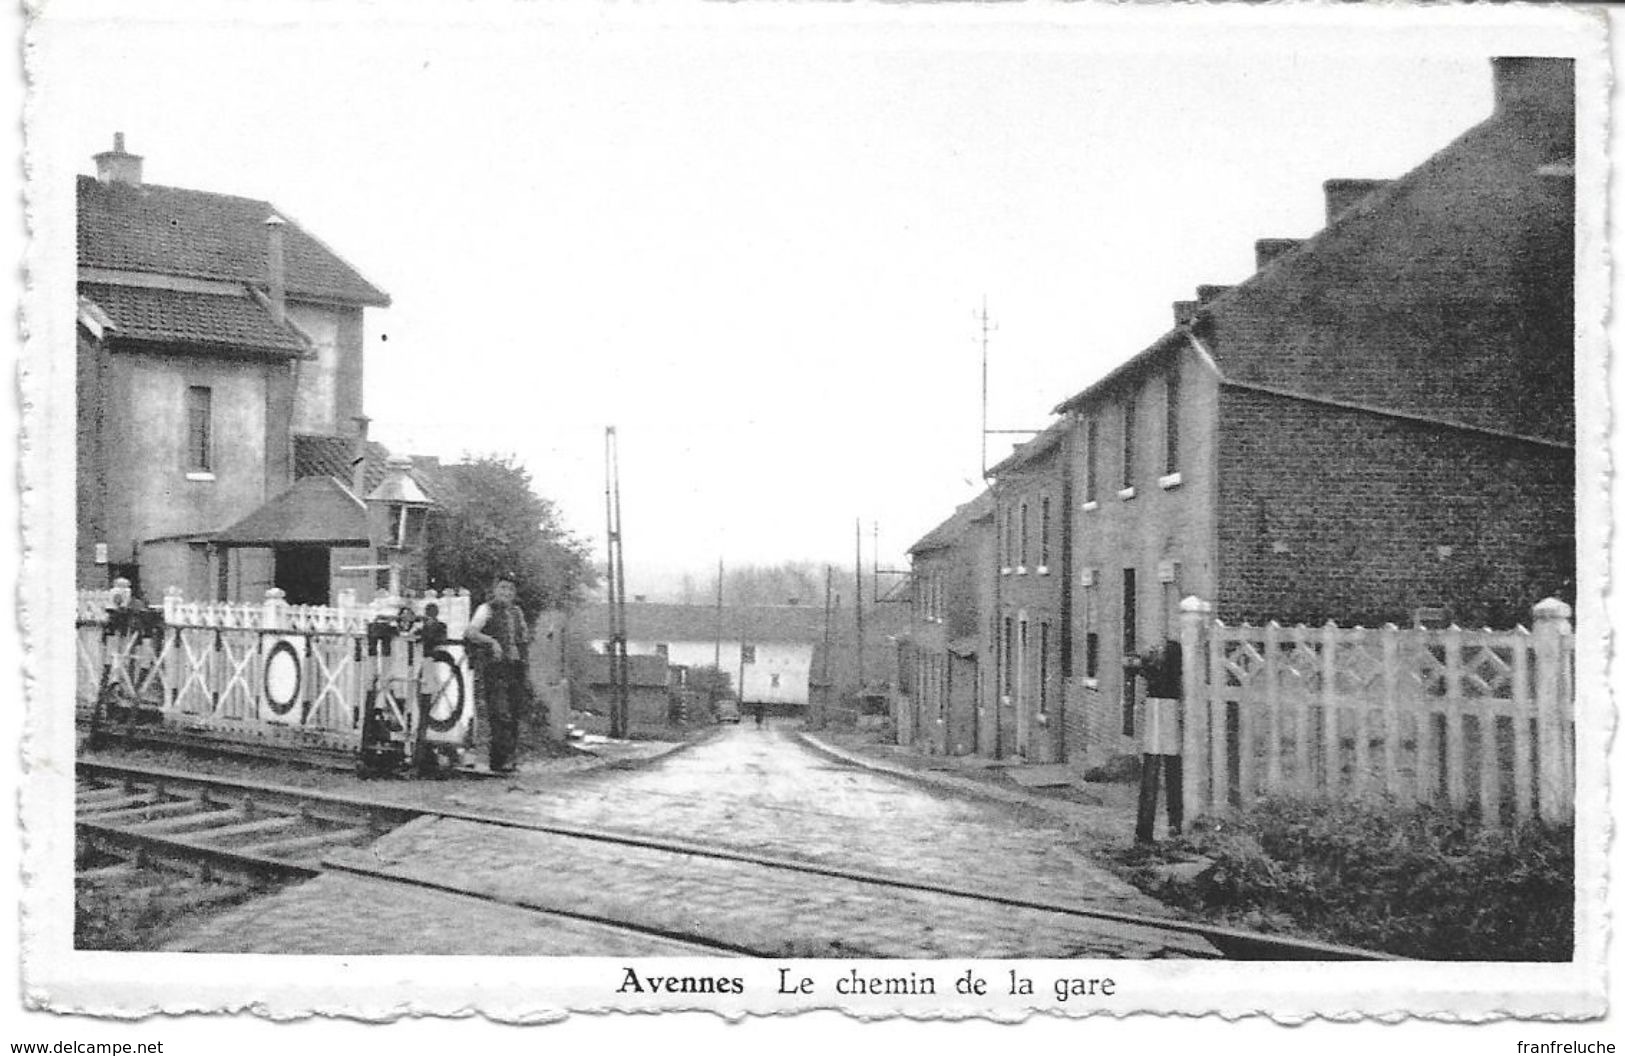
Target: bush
[(1119, 769), (1413, 880)]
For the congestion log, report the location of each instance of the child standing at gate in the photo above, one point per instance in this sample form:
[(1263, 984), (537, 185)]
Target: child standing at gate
[(1160, 736), (431, 636)]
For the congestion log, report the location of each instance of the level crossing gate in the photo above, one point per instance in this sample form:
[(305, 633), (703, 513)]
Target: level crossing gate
[(1479, 720)]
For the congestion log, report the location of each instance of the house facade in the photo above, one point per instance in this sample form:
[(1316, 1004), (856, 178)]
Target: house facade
[(943, 692), (1375, 427), (214, 334), (1031, 498)]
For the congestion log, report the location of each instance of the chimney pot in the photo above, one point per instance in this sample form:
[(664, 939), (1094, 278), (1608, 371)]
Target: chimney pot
[(1265, 250), (1343, 193), (117, 166)]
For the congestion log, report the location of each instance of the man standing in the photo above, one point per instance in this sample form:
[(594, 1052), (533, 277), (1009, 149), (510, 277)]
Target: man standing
[(1160, 742), (499, 627)]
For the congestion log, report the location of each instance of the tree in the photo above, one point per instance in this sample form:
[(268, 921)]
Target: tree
[(491, 521)]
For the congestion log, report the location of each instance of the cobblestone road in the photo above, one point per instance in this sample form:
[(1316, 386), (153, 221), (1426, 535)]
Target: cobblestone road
[(755, 790)]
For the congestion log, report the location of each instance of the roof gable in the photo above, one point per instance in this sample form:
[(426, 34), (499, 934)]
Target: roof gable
[(200, 234)]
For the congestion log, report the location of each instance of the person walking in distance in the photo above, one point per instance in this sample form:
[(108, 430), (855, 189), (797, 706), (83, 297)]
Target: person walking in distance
[(431, 631), (1160, 739), (499, 628)]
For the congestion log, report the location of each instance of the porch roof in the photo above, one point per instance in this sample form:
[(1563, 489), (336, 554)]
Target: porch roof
[(315, 511)]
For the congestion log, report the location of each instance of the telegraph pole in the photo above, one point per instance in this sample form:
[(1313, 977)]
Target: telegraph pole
[(984, 385), (829, 586), (858, 606), (618, 715), (717, 662)]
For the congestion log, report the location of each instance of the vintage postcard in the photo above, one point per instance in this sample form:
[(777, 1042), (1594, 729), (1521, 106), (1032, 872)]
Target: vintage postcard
[(920, 511)]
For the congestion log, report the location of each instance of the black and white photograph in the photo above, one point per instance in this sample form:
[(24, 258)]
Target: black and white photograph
[(905, 511)]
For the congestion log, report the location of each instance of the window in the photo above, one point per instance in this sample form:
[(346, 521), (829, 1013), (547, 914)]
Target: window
[(773, 681), (1009, 644), (1043, 668), (1021, 663), (1128, 441), (747, 654), (1043, 532), (198, 421), (1021, 562), (1130, 618), (1092, 444), (1009, 537), (663, 650), (1091, 655), (942, 688), (1171, 422)]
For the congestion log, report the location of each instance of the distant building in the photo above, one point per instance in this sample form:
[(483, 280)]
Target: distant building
[(218, 344), (649, 688), (777, 648), (941, 675)]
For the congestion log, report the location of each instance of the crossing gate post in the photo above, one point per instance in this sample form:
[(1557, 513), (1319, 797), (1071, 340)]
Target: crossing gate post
[(1194, 618), (1553, 713)]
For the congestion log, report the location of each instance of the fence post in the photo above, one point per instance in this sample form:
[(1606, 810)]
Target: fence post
[(1551, 628), (276, 609), (1194, 615), (172, 605)]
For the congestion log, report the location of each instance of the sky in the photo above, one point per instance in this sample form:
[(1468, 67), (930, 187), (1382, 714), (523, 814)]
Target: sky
[(756, 240)]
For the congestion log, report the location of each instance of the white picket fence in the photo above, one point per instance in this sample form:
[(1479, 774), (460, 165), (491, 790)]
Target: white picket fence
[(1480, 720), (271, 672)]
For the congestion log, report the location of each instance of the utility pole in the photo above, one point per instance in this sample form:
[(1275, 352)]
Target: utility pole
[(717, 662), (617, 586), (858, 605), (829, 586), (984, 385)]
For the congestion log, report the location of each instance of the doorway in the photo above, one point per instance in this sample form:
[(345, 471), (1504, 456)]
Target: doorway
[(302, 574)]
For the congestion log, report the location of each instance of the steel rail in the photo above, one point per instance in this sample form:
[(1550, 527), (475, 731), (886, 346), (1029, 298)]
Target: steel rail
[(1235, 943)]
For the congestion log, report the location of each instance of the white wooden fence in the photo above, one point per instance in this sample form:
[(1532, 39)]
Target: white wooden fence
[(1479, 720), (270, 673)]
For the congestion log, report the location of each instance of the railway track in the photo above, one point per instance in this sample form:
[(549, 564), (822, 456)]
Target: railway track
[(257, 833)]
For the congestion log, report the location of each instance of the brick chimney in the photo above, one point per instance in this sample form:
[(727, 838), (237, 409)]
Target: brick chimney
[(276, 271), (116, 166), (1541, 84), (1266, 250), (1341, 194), (1184, 312)]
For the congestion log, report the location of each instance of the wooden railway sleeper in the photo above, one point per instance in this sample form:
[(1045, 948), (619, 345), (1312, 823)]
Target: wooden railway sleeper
[(272, 824), (153, 810), (204, 819), (127, 800), (314, 841)]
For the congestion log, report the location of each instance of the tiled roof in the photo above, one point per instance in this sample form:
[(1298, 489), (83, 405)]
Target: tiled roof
[(949, 531), (192, 318), (314, 510), (325, 455), (198, 234), (1033, 449)]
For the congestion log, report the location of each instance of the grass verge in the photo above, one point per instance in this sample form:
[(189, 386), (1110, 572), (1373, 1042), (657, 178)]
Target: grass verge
[(1412, 880)]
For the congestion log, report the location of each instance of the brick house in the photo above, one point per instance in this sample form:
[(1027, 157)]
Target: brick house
[(948, 568), (214, 336), (1032, 497), (1377, 423)]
